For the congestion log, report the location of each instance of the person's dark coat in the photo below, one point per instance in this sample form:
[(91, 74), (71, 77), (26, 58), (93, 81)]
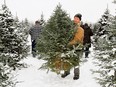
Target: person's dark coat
[(35, 32), (87, 34)]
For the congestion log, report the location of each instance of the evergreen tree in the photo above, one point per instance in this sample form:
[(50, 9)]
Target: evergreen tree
[(105, 50), (13, 46), (42, 21), (100, 27), (53, 42), (26, 26)]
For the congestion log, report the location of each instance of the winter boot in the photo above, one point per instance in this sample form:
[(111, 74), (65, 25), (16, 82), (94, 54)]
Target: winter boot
[(66, 73), (76, 73), (86, 54), (34, 54)]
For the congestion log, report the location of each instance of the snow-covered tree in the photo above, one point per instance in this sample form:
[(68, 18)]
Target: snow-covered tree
[(42, 21), (53, 42), (25, 24), (13, 46), (101, 26), (105, 49)]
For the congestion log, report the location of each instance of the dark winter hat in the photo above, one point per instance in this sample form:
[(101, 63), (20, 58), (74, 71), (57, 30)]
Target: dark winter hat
[(78, 15), (37, 22), (86, 24)]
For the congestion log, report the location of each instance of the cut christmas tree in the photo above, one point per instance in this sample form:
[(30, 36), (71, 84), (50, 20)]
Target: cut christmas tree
[(52, 44)]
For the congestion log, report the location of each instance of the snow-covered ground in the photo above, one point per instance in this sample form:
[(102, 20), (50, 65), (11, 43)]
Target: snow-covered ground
[(33, 77)]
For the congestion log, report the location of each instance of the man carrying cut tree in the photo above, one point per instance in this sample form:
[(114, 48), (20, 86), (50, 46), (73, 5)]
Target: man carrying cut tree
[(77, 41)]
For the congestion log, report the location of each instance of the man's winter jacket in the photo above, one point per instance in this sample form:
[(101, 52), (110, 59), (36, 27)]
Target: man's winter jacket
[(78, 36), (35, 32)]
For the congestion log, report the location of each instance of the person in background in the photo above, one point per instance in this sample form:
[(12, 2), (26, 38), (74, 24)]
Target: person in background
[(76, 41), (87, 39), (35, 32)]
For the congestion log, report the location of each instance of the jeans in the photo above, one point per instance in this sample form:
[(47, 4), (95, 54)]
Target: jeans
[(34, 48), (86, 50)]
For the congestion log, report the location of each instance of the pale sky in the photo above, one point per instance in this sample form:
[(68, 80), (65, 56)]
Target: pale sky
[(91, 10)]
